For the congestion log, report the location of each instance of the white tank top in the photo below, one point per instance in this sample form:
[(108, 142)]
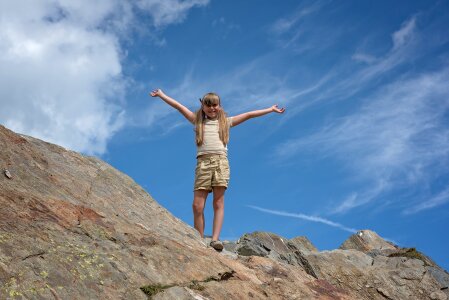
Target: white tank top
[(211, 139)]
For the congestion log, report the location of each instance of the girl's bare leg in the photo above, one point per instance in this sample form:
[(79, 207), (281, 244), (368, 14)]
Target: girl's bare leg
[(219, 192), (199, 200)]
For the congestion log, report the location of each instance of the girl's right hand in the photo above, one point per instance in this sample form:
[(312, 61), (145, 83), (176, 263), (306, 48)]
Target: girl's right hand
[(156, 93)]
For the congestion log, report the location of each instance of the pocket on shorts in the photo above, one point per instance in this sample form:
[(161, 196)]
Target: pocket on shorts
[(199, 166), (202, 166), (224, 168)]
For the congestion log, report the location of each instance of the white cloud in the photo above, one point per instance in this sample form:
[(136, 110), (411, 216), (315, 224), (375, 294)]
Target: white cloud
[(342, 80), (58, 75), (304, 32), (357, 199), (403, 50), (363, 57), (169, 11), (404, 34), (405, 41), (304, 217), (403, 47), (249, 86), (399, 136), (286, 24), (61, 69), (435, 201)]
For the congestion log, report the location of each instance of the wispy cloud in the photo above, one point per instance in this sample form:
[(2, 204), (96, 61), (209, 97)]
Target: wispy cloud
[(435, 201), (356, 199), (304, 217), (304, 31), (399, 135), (247, 86), (403, 35), (291, 31), (350, 83), (168, 11), (345, 78), (363, 57), (403, 47), (283, 25)]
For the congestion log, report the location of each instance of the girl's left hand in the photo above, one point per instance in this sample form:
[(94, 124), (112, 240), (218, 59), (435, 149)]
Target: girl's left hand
[(276, 109)]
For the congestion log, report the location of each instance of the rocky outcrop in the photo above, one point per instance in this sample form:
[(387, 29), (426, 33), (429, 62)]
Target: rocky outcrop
[(367, 240), (73, 227), (365, 263), (270, 245)]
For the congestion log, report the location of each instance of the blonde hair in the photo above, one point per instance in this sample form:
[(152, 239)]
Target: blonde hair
[(223, 128)]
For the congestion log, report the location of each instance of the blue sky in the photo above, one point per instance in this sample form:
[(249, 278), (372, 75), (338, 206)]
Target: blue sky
[(364, 143)]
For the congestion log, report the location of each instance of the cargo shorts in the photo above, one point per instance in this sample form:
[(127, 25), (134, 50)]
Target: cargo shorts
[(211, 170)]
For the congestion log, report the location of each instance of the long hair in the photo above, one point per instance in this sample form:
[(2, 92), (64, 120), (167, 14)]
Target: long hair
[(223, 127)]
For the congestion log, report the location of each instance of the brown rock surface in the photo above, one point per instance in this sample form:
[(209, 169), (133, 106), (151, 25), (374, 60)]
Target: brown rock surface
[(366, 240), (378, 278), (73, 227)]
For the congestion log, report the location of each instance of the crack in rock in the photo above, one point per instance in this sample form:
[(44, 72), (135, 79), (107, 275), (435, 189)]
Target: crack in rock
[(34, 255), (153, 289), (384, 293)]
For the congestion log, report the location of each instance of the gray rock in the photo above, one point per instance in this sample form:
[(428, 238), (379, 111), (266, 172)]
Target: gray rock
[(254, 244), (386, 271), (230, 246), (441, 276), (270, 245), (365, 241), (438, 295), (303, 244), (384, 293), (178, 292)]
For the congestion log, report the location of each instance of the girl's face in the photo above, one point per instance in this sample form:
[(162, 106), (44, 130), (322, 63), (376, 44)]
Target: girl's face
[(211, 110)]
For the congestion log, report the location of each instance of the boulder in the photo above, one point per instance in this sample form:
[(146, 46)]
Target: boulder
[(283, 250)]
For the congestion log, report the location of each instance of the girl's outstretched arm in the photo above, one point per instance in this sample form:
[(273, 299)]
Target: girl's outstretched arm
[(175, 104), (256, 113)]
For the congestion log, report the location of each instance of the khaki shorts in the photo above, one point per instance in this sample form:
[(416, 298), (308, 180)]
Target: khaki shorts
[(211, 170)]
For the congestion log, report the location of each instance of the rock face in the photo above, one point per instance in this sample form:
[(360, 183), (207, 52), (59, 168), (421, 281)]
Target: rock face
[(367, 240), (73, 227)]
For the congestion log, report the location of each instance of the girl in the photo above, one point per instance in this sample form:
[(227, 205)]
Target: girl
[(212, 169)]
